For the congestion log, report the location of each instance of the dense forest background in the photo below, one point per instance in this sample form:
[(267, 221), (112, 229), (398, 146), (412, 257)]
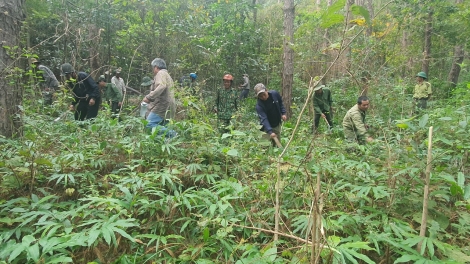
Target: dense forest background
[(106, 192)]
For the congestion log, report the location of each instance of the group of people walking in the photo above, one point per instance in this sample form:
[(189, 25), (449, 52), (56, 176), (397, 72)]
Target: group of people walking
[(161, 104)]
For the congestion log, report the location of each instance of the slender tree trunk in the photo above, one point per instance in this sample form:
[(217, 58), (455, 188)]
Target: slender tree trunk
[(370, 8), (288, 70), (455, 69), (427, 42), (11, 17)]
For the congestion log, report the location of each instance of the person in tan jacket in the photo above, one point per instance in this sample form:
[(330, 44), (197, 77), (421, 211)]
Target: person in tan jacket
[(354, 122), (160, 101)]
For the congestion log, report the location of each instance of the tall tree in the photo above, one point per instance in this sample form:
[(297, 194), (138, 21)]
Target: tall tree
[(288, 69), (427, 42), (11, 17)]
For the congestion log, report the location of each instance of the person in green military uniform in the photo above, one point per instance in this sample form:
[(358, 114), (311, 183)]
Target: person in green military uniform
[(226, 103), (111, 94), (422, 92), (354, 122), (322, 102)]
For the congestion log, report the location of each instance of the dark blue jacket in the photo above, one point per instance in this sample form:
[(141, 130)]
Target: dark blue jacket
[(85, 88), (263, 117)]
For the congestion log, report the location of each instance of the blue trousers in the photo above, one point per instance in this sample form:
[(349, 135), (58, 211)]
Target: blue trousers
[(155, 121)]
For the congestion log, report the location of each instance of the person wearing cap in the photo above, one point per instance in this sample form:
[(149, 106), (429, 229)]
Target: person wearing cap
[(271, 111), (354, 122), (189, 81), (422, 92), (48, 83), (322, 102), (226, 103), (112, 94), (87, 97), (118, 81), (146, 83), (160, 101), (245, 87)]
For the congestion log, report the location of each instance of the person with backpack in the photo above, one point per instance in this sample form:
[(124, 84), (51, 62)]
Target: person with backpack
[(423, 91)]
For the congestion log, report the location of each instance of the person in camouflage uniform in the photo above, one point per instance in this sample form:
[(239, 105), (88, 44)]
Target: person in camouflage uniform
[(111, 94), (226, 103), (48, 81), (354, 126)]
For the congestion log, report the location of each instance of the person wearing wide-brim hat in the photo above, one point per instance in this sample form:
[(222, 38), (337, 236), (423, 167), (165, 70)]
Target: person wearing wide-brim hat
[(48, 82), (322, 104), (422, 91), (146, 83)]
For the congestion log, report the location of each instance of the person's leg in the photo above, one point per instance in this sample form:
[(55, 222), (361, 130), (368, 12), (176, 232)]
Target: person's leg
[(244, 94), (423, 103), (316, 122), (153, 120), (329, 119), (277, 131), (92, 111), (81, 109)]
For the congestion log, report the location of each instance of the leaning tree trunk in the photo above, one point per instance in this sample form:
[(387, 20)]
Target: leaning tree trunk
[(288, 70), (455, 70), (427, 43), (11, 18)]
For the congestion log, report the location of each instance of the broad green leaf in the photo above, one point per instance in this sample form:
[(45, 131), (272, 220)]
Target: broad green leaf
[(430, 247), (331, 20), (232, 152), (407, 258), (455, 190), (270, 254), (423, 121), (445, 118), (33, 252), (360, 256), (361, 11), (402, 125), (461, 179)]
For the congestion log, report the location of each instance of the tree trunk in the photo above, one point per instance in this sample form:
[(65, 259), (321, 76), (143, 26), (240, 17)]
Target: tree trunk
[(455, 69), (370, 8), (288, 69), (427, 43), (11, 18)]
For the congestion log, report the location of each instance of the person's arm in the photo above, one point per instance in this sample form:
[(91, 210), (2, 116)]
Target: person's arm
[(245, 83), (263, 119), (92, 88), (159, 85)]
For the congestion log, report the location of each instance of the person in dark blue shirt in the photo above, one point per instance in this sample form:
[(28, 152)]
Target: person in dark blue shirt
[(85, 91), (271, 111)]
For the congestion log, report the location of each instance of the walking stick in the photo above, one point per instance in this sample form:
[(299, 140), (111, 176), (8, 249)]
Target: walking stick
[(329, 126), (276, 140)]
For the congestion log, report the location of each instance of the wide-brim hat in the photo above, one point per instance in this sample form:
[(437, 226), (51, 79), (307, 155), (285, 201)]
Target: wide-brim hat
[(319, 87), (146, 81)]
